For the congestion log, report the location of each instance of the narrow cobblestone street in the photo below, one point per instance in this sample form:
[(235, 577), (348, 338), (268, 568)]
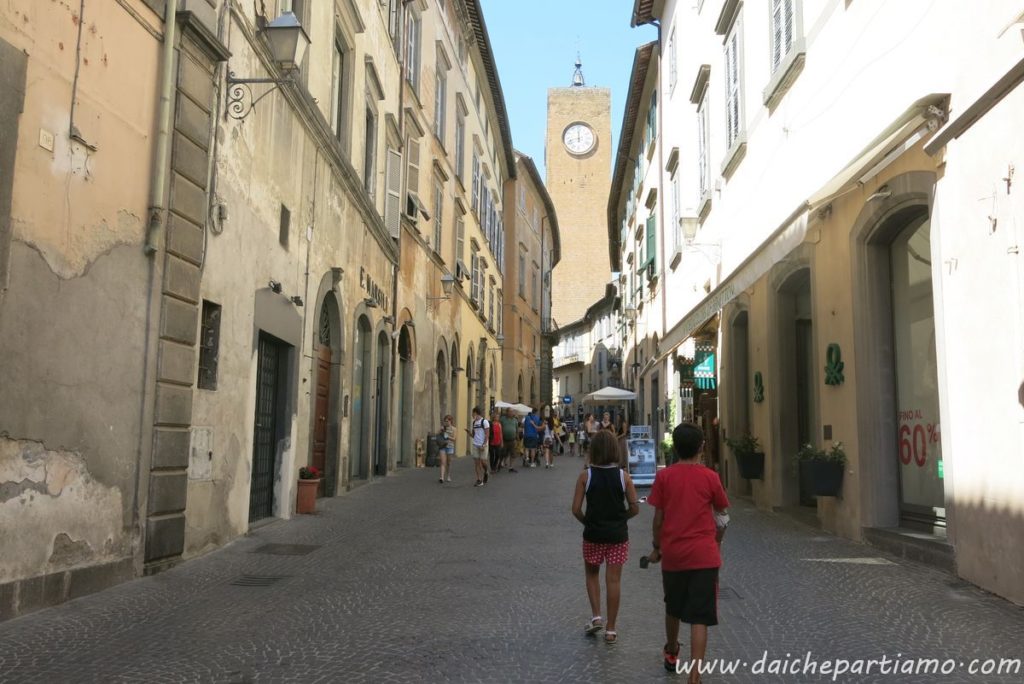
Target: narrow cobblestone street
[(406, 580)]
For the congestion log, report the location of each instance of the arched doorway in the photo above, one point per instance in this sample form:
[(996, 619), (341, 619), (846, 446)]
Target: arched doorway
[(406, 374), (795, 408), (470, 383), (921, 489), (362, 404), (441, 400), (481, 397), (519, 389), (324, 442), (491, 384), (738, 376), (381, 414), (454, 356), (533, 392)]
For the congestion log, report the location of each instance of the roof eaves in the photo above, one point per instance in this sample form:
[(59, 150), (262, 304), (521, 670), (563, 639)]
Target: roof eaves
[(483, 40), (549, 207), (643, 13), (641, 61)]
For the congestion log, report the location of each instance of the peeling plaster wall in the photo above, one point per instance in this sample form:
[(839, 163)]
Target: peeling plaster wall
[(73, 316), (75, 520)]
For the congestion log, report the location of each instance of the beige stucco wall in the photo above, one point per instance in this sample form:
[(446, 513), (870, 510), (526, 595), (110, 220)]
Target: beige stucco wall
[(73, 318)]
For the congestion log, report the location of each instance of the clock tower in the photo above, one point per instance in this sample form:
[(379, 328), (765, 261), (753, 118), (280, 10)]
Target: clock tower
[(578, 159)]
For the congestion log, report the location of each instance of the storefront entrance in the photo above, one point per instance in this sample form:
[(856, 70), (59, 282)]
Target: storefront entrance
[(921, 474)]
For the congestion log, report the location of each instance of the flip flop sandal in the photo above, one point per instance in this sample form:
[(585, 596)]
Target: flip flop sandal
[(610, 636), (594, 626)]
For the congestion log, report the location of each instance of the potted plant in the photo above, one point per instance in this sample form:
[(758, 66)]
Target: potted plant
[(666, 450), (749, 456), (821, 471), (309, 483)]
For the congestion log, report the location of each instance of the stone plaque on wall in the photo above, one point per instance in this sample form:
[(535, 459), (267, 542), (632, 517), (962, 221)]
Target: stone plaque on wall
[(200, 459)]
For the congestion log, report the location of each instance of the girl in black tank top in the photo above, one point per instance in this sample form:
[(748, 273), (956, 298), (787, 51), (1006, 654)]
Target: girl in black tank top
[(611, 500)]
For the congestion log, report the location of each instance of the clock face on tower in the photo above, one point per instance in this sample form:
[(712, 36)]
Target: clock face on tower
[(579, 138)]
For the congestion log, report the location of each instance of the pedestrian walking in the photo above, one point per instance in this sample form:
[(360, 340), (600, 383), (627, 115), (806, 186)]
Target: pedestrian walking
[(497, 442), (622, 434), (548, 444), (610, 500), (531, 438), (689, 521), (606, 422), (448, 451), (509, 433), (480, 428), (572, 441)]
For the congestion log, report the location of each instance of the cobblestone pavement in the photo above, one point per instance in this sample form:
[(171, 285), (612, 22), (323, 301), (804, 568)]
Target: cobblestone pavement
[(415, 581)]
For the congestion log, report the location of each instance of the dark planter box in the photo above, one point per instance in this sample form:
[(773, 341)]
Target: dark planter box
[(821, 478), (751, 465)]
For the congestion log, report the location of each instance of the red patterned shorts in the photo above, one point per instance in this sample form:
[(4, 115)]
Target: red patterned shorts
[(613, 554)]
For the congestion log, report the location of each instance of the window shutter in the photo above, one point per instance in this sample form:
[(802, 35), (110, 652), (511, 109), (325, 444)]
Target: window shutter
[(789, 27), (777, 38), (412, 181), (393, 201), (474, 266), (652, 239), (460, 238), (732, 89), (476, 182), (702, 146)]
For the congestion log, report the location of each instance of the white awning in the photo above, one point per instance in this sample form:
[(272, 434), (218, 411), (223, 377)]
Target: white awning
[(609, 394), (918, 121)]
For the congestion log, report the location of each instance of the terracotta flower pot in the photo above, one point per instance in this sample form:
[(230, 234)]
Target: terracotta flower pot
[(305, 500)]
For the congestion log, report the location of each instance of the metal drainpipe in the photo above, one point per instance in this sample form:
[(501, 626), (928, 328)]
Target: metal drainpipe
[(163, 135)]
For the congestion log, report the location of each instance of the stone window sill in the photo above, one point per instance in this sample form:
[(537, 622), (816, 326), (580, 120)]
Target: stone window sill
[(735, 155), (785, 75), (704, 206)]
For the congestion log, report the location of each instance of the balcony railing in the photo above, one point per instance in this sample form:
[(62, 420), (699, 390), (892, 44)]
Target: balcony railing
[(566, 359)]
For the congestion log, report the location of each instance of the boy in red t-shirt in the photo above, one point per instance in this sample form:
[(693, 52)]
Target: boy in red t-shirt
[(687, 497)]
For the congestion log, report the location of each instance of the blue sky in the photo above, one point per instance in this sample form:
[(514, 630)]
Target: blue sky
[(535, 44)]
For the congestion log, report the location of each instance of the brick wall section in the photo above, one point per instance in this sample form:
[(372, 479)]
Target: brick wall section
[(579, 188)]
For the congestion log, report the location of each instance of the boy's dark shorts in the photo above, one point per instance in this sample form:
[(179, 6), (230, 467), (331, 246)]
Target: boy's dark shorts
[(692, 595)]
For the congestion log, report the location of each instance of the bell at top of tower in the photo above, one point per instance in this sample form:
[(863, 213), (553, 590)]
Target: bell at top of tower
[(577, 76)]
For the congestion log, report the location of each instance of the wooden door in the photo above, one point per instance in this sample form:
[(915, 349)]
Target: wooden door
[(323, 398)]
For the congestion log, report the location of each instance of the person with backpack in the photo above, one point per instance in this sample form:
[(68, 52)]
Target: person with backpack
[(510, 433), (480, 428), (496, 442), (531, 438)]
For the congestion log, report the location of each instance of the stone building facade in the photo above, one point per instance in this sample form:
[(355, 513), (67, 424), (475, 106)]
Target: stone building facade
[(577, 159), (854, 274), (534, 249), (214, 299)]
